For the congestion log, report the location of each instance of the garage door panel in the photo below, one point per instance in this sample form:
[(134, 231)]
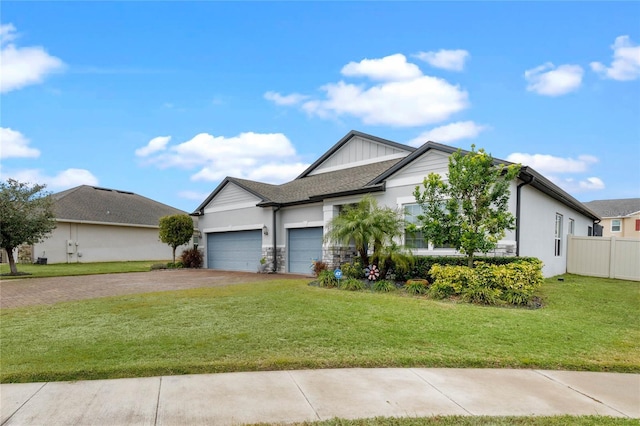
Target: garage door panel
[(305, 245), (234, 251)]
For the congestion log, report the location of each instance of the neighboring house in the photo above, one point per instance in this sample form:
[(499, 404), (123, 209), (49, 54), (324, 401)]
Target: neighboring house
[(98, 225), (242, 221), (620, 218)]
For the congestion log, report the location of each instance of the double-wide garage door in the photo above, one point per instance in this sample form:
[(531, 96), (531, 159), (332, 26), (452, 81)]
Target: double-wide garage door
[(305, 246), (234, 251)]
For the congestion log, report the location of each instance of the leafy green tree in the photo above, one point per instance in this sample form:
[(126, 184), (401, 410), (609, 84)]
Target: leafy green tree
[(26, 216), (176, 230), (366, 224), (470, 210)]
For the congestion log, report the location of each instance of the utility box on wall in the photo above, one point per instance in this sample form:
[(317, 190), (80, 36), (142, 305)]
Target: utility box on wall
[(71, 247)]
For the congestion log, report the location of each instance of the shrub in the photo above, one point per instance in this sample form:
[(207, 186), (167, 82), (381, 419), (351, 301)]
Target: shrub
[(476, 292), (352, 284), (384, 286), (156, 266), (513, 283), (326, 279), (422, 264), (191, 258), (175, 265), (416, 286), (318, 266), (518, 281), (352, 270)]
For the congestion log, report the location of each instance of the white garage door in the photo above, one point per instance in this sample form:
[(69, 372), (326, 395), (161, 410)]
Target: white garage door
[(305, 246), (234, 251)]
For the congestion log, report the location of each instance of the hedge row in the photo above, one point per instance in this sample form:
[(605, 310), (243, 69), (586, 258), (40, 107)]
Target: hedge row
[(422, 264)]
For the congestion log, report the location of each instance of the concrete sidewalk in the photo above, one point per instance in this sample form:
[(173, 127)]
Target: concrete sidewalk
[(302, 395)]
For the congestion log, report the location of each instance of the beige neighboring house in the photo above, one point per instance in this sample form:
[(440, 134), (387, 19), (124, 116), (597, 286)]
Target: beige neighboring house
[(620, 218), (100, 225)]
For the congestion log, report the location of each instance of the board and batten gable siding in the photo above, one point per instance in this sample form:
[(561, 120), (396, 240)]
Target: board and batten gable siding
[(413, 174), (231, 197), (537, 229), (359, 151)]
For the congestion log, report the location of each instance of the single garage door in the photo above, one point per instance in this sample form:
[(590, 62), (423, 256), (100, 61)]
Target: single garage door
[(234, 251), (305, 246)]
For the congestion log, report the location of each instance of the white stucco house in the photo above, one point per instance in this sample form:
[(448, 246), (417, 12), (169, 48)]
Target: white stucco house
[(96, 224), (242, 221)]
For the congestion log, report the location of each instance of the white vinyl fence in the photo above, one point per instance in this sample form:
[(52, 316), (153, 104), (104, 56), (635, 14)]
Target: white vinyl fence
[(608, 257)]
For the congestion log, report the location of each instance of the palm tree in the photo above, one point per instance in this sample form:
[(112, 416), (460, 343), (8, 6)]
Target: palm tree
[(365, 224)]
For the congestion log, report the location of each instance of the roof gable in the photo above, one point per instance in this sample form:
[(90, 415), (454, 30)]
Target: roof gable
[(357, 149), (102, 205)]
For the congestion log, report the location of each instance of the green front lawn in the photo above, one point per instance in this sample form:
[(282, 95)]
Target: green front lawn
[(477, 421), (68, 269), (587, 324)]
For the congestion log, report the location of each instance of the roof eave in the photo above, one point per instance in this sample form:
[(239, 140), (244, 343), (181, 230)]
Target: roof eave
[(547, 187)]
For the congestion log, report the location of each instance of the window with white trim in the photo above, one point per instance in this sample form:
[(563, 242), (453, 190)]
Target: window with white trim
[(616, 225), (416, 239), (413, 239), (558, 235)]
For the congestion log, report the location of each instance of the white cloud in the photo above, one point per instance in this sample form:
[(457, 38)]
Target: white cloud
[(63, 180), (577, 186), (23, 66), (416, 102), (449, 133), (550, 164), (551, 81), (15, 144), (452, 60), (390, 68), (267, 157), (193, 195), (552, 167), (156, 144), (278, 99), (404, 98), (626, 61)]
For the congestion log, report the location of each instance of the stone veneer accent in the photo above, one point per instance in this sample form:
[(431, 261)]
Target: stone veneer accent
[(267, 253), (335, 256)]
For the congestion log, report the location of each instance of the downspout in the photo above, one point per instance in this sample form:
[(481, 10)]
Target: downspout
[(518, 196), (275, 240)]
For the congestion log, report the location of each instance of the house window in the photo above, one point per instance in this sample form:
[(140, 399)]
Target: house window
[(589, 231), (416, 239), (558, 235), (572, 225), (413, 239), (616, 225)]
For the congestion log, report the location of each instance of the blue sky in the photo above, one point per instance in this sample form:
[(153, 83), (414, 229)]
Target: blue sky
[(165, 99)]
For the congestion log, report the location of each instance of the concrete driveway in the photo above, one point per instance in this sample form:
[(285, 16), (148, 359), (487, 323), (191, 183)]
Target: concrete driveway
[(47, 291)]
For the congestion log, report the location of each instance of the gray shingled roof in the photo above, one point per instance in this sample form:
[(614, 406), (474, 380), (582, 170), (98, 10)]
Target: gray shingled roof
[(310, 187), (369, 178), (615, 208), (102, 205)]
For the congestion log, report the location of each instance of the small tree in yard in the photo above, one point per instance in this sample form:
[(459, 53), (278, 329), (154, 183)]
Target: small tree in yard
[(366, 224), (470, 211), (176, 230), (26, 216)]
